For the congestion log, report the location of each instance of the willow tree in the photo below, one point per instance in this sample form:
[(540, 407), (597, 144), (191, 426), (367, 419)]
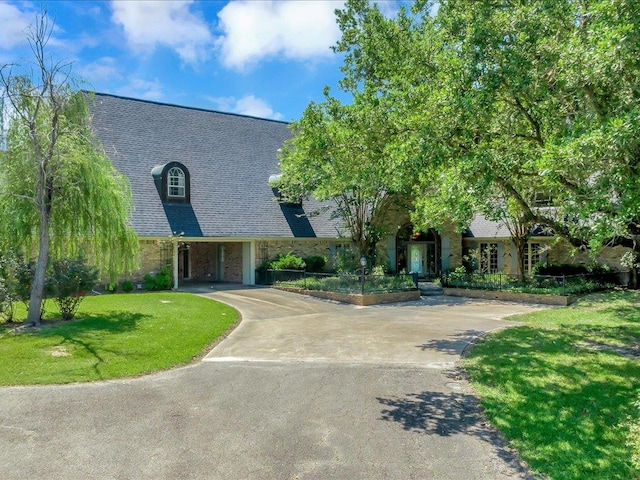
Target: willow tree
[(59, 193)]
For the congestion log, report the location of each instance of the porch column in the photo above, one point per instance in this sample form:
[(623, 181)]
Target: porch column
[(249, 263), (175, 265)]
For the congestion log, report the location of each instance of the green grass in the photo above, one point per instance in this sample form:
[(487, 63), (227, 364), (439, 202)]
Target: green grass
[(114, 336), (562, 387)]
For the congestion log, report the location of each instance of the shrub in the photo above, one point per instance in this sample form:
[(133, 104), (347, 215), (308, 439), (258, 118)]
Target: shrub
[(159, 281), (315, 263), (71, 280), (346, 261), (112, 287), (8, 295), (287, 262), (127, 286), (559, 269)]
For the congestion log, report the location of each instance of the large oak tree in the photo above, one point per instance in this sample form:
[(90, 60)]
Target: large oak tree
[(503, 100)]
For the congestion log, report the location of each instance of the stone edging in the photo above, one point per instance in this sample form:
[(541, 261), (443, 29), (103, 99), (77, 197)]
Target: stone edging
[(511, 296), (357, 299)]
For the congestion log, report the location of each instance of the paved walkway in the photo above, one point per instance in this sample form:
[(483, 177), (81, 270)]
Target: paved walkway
[(302, 389)]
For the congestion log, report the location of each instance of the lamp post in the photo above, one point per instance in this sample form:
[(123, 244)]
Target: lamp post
[(363, 264)]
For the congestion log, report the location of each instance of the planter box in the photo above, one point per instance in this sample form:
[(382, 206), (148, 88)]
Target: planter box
[(511, 296), (356, 298)]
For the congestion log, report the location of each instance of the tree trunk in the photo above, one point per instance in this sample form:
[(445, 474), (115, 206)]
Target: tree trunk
[(39, 276)]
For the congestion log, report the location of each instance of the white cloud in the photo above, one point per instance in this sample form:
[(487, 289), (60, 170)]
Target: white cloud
[(103, 69), (140, 88), (247, 105), (172, 24), (15, 23), (299, 30)]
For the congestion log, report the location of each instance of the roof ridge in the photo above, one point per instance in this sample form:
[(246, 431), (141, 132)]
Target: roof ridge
[(175, 105)]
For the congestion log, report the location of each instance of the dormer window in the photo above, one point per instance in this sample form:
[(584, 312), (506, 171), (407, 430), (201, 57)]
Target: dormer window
[(176, 183), (172, 182)]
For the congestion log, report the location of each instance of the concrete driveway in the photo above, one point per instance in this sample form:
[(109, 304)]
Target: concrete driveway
[(302, 389)]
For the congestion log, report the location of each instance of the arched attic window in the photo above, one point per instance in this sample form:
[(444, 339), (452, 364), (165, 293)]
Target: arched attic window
[(176, 183), (172, 182)]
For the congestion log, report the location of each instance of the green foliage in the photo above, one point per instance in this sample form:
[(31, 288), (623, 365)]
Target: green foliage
[(159, 281), (115, 336), (352, 283), (536, 284), (7, 288), (562, 387), (346, 260), (290, 261), (491, 104), (633, 438), (59, 193), (337, 153), (559, 269), (71, 279), (315, 263), (127, 286)]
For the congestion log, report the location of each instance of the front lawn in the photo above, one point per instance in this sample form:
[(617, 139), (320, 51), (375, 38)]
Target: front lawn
[(562, 387), (114, 336)]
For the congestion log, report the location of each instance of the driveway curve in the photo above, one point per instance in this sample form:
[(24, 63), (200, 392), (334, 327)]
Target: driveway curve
[(302, 389)]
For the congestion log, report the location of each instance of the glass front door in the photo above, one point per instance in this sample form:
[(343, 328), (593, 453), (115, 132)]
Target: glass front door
[(417, 258)]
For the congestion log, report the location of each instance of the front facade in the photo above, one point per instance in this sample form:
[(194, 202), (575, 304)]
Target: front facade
[(200, 181), (204, 206)]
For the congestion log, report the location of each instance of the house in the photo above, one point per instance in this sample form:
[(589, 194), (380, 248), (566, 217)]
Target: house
[(201, 193), (204, 206)]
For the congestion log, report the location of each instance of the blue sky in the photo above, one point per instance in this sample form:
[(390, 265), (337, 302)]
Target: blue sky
[(262, 58)]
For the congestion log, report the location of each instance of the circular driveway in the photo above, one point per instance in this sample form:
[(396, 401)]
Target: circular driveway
[(302, 389)]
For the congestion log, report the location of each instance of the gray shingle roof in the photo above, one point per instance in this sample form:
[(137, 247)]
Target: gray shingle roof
[(229, 157), (482, 227)]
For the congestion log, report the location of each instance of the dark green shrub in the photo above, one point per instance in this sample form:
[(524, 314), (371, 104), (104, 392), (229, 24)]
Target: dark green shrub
[(290, 261), (112, 287), (8, 295), (71, 280), (315, 263), (159, 281), (127, 286), (559, 269)]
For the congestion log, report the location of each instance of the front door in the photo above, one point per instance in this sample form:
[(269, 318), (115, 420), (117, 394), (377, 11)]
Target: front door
[(417, 255)]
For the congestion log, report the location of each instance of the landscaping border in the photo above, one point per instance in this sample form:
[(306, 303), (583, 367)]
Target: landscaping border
[(357, 299), (560, 300)]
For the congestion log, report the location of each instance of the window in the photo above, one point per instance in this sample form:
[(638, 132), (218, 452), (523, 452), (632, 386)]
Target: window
[(531, 256), (176, 183), (172, 182), (489, 257), (542, 199)]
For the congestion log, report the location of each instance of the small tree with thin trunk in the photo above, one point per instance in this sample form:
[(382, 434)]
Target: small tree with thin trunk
[(59, 193)]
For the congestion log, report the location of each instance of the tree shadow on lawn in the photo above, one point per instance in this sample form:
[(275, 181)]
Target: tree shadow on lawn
[(87, 332), (552, 392), (455, 344), (446, 415)]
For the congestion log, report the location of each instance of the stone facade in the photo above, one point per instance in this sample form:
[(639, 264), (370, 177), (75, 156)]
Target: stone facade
[(267, 250), (563, 252)]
